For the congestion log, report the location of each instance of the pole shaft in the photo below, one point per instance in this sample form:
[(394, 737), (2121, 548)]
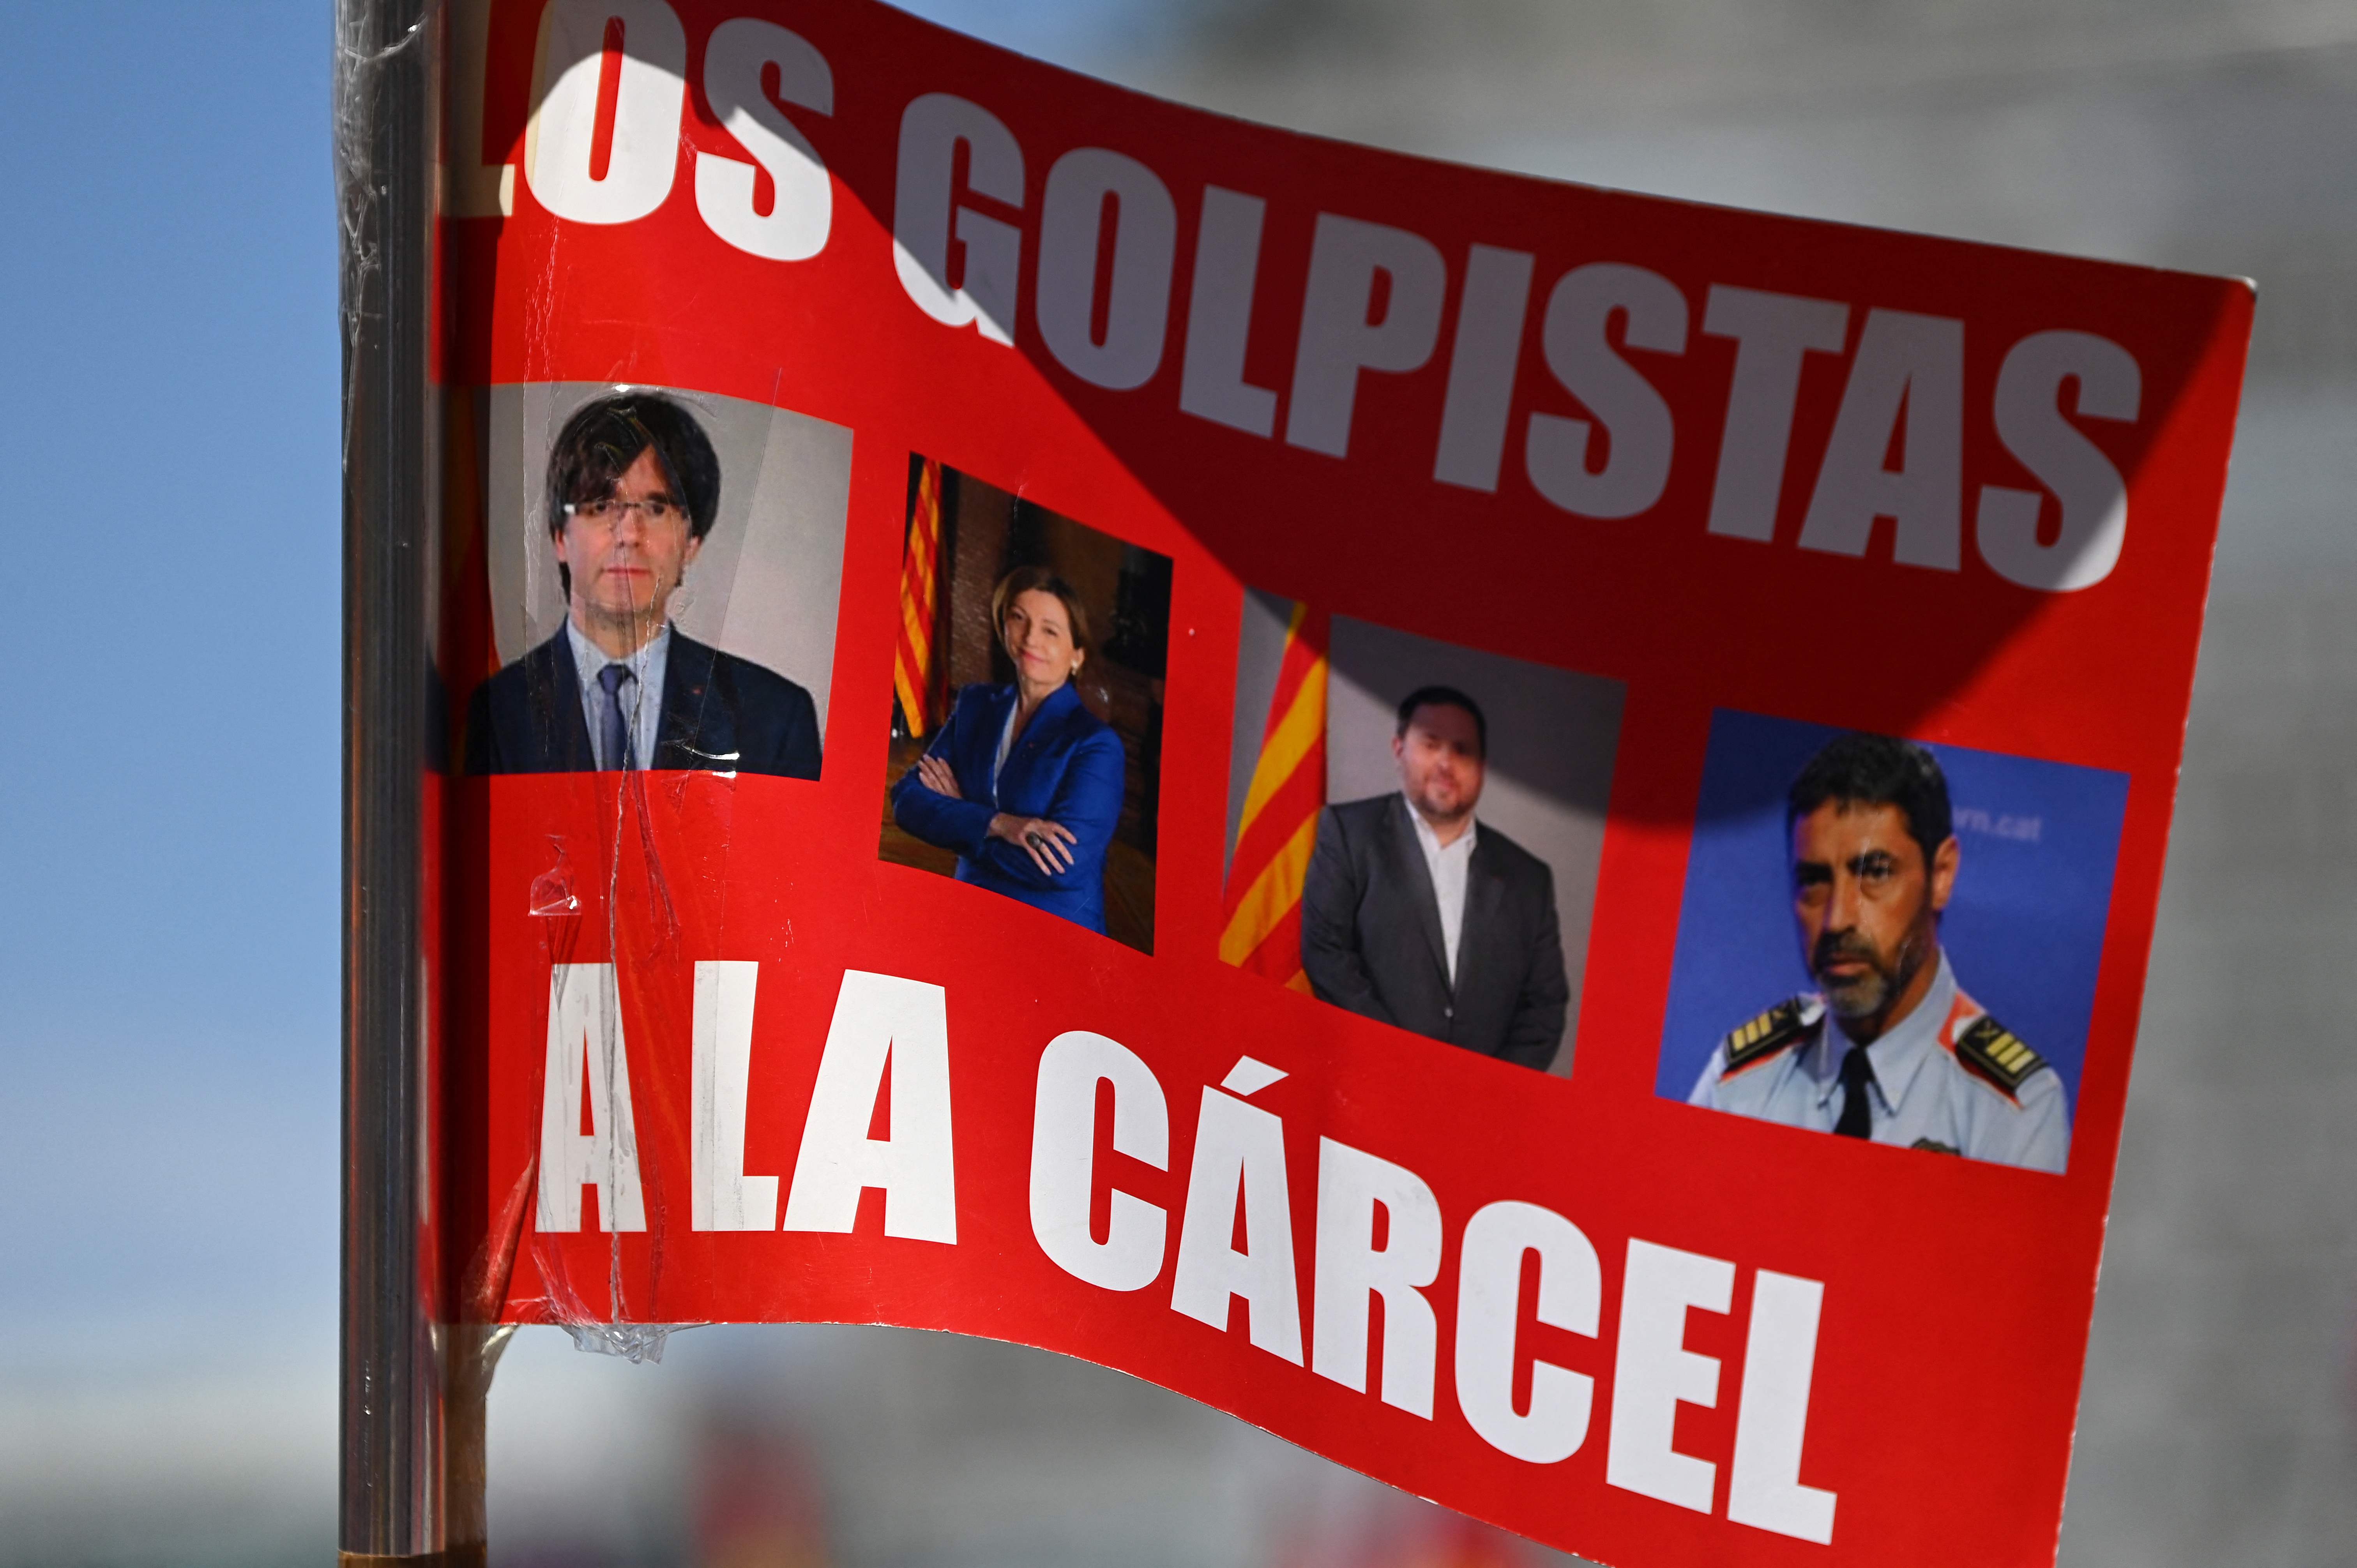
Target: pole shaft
[(393, 1507)]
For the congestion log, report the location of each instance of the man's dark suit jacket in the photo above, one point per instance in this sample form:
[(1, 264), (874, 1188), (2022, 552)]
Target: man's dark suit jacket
[(720, 712), (1371, 936)]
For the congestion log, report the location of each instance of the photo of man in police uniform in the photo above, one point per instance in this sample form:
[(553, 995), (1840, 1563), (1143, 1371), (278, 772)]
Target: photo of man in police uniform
[(1890, 1048)]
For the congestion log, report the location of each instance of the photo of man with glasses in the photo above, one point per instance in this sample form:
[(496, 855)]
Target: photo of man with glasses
[(633, 488)]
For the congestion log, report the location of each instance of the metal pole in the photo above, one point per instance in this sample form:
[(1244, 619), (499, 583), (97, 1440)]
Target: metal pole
[(397, 1501)]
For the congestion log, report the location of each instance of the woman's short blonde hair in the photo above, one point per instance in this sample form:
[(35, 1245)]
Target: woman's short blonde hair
[(1039, 579)]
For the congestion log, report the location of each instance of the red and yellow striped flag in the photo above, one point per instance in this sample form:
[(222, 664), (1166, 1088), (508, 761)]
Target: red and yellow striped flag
[(1279, 824), (914, 654)]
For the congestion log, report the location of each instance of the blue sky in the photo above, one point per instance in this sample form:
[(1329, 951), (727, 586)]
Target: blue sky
[(1076, 33), (169, 850)]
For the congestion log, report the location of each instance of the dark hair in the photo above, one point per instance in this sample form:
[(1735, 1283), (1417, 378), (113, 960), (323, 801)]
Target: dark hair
[(1863, 769), (601, 441), (1041, 580), (1444, 697)]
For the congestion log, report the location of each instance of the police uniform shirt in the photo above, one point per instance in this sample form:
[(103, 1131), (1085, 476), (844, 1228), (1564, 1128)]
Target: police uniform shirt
[(1947, 1078)]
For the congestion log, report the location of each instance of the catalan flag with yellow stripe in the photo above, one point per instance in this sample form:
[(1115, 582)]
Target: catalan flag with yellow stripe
[(1279, 823), (915, 657)]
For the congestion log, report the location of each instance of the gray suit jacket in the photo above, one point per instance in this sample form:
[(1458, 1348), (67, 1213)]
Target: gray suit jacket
[(1371, 936)]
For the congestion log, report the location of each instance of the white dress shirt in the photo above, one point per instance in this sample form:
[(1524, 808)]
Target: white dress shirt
[(1448, 863), (642, 697)]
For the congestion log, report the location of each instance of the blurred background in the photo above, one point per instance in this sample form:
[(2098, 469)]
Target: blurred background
[(168, 861)]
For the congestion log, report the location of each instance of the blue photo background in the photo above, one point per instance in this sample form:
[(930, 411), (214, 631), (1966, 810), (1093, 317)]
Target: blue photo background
[(2024, 930)]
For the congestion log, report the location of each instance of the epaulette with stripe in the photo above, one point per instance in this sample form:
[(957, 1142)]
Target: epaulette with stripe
[(1780, 1028), (1992, 1052)]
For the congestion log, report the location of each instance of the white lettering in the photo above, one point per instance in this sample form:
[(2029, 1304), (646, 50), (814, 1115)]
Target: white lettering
[(1653, 1372), (882, 1025), (1773, 333), (1339, 336), (1488, 350), (723, 1196), (1352, 1269), (1239, 1155), (1211, 385), (2030, 422), (1488, 1296), (1250, 1076), (1137, 295), (1637, 427), (560, 139), (796, 226), (1910, 367), (924, 209), (585, 1052), (1063, 1160), (1779, 1353)]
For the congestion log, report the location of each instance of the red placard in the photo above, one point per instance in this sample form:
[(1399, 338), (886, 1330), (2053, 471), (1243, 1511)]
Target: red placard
[(1676, 495)]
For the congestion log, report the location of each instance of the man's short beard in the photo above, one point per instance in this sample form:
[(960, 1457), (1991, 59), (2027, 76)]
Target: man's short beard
[(1873, 992), (1422, 802)]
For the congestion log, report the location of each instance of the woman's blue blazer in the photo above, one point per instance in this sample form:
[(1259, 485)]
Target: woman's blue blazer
[(1066, 767)]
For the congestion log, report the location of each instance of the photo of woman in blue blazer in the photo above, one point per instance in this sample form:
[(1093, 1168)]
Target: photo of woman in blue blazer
[(1022, 782)]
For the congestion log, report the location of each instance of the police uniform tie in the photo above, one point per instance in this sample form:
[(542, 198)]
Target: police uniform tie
[(1857, 1109), (614, 727)]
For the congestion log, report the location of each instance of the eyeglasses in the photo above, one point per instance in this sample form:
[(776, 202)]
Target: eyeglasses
[(657, 510)]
